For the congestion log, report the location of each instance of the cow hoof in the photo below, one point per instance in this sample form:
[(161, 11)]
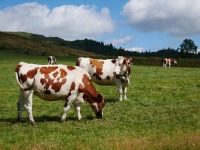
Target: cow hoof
[(62, 120), (33, 124), (81, 121)]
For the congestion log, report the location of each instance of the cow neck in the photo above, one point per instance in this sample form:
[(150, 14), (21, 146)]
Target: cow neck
[(90, 94)]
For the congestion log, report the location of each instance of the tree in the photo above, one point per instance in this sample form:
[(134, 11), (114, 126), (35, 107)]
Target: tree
[(188, 46), (121, 51)]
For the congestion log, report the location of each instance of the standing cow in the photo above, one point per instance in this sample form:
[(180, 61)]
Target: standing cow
[(58, 82), (109, 72), (51, 60), (168, 62)]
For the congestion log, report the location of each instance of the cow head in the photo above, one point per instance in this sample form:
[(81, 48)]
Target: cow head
[(97, 106), (51, 60), (123, 68)]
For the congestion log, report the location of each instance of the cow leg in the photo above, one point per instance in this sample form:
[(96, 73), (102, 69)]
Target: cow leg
[(28, 105), (66, 109), (120, 91), (20, 105), (124, 92), (78, 110)]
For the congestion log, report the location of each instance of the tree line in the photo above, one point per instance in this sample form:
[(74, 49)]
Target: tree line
[(187, 49)]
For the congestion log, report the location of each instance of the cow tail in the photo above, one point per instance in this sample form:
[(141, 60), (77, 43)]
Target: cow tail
[(20, 85)]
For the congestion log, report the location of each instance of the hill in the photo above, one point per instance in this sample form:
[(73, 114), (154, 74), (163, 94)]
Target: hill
[(28, 43), (87, 45)]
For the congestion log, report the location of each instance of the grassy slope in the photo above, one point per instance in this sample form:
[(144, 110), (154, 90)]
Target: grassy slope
[(25, 44), (162, 112)]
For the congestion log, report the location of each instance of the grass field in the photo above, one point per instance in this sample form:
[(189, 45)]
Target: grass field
[(162, 112)]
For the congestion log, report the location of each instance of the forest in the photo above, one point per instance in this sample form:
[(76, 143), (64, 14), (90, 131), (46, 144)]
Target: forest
[(187, 49)]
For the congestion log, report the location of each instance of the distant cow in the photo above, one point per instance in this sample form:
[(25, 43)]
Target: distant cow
[(168, 62), (58, 82), (109, 72), (51, 60)]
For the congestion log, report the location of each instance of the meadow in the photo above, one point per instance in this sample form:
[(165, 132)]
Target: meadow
[(162, 112)]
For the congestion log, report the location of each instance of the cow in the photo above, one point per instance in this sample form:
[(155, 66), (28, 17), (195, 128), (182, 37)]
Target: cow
[(51, 60), (168, 62), (114, 72), (57, 82)]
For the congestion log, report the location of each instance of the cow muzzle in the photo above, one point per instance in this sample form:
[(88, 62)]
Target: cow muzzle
[(99, 115), (124, 80)]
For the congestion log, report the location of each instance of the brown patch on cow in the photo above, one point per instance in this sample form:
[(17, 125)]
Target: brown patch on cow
[(70, 67), (47, 70), (17, 68), (63, 73), (71, 88), (56, 86), (127, 62), (48, 83), (108, 78), (99, 67), (31, 73), (164, 60), (113, 61), (55, 74), (43, 81), (88, 89), (55, 83), (23, 78)]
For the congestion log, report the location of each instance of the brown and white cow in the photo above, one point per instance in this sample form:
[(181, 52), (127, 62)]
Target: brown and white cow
[(57, 82), (109, 72), (168, 62), (51, 60)]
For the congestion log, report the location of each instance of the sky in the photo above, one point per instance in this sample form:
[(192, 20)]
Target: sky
[(141, 25)]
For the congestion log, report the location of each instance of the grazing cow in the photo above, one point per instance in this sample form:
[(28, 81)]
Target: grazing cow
[(109, 72), (167, 62), (57, 82), (51, 60)]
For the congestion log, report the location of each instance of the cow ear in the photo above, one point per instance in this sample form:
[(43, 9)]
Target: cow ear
[(131, 60), (99, 98)]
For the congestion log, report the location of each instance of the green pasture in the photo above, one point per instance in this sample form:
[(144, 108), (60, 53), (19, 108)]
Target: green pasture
[(162, 112)]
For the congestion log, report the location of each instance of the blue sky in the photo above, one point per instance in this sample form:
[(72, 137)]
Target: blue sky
[(140, 25)]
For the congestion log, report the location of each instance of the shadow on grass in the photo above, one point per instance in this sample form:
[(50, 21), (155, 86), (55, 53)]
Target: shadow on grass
[(43, 118), (111, 100)]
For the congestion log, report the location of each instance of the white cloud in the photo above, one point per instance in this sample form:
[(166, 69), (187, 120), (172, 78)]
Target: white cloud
[(67, 21), (177, 17), (121, 41)]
